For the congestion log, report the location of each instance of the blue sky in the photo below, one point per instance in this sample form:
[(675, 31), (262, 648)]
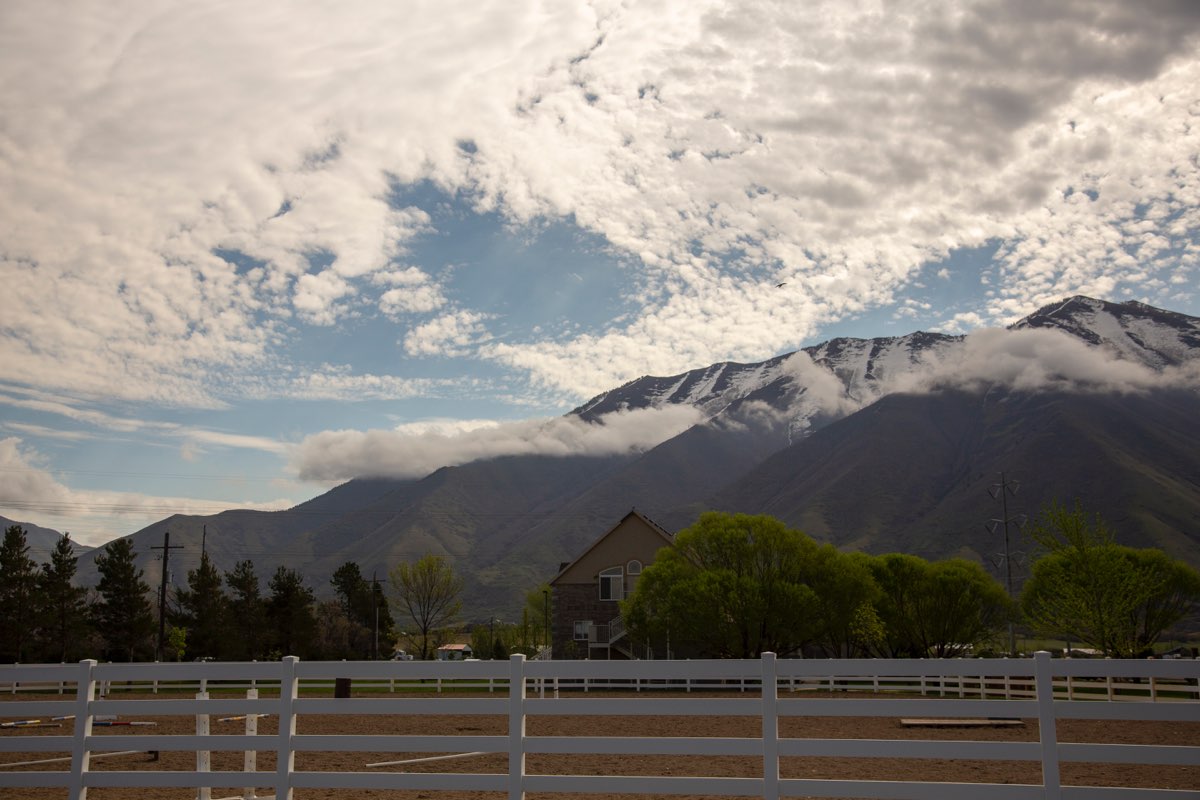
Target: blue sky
[(252, 252)]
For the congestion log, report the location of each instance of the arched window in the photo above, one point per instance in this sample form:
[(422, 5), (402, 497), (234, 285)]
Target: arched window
[(612, 584), (634, 570)]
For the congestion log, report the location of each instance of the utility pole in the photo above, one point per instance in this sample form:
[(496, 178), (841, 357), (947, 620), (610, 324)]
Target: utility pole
[(546, 620), (1001, 491), (167, 547), (375, 603)]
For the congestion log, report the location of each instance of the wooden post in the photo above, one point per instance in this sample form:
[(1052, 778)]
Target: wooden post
[(203, 757), (1047, 728), (770, 727), (516, 727), (85, 693), (285, 756), (250, 757)]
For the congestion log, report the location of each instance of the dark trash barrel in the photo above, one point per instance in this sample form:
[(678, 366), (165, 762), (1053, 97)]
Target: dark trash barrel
[(341, 687)]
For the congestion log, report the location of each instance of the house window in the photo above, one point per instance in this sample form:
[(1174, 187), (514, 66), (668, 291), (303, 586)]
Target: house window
[(634, 571), (612, 584), (581, 629)]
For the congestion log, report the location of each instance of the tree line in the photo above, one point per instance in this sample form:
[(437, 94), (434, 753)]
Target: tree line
[(44, 617), (736, 585)]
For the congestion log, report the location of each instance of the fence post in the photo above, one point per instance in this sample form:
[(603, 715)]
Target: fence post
[(1047, 731), (203, 757), (770, 726), (250, 757), (285, 756), (516, 727), (85, 693)]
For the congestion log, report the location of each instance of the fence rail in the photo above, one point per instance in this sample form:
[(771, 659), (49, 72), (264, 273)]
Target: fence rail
[(769, 689)]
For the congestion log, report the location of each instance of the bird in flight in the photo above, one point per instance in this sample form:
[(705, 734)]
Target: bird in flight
[(781, 285)]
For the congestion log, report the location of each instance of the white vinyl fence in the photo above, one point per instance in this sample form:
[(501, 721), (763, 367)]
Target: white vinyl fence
[(1041, 689)]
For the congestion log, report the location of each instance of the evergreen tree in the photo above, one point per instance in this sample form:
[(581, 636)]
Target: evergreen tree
[(247, 613), (365, 606), (18, 587), (202, 610), (290, 614), (62, 610), (123, 614)]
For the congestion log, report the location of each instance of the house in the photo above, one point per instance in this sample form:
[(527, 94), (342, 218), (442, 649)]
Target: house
[(454, 652), (587, 591)]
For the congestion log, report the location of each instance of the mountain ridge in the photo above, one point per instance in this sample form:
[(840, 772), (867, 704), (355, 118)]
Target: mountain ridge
[(847, 439)]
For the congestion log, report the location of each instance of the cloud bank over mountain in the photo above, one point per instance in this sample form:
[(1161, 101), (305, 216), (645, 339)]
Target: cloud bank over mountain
[(341, 455)]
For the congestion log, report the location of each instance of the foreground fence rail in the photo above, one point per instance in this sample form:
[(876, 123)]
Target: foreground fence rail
[(80, 698)]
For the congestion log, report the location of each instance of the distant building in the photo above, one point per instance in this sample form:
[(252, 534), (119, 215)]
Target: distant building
[(454, 652), (587, 591)]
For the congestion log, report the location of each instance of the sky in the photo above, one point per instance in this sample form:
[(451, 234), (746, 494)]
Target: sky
[(251, 250)]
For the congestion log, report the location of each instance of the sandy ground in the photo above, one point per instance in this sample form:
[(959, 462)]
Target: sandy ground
[(1102, 774)]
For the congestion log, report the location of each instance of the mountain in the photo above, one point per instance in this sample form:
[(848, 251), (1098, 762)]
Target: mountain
[(875, 444), (41, 541)]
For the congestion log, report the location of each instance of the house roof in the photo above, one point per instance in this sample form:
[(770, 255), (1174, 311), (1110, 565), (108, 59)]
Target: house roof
[(455, 647), (654, 526)]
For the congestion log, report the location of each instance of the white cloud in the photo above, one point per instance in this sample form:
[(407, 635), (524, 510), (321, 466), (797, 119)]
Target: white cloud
[(448, 335), (92, 517), (1035, 360), (728, 146), (416, 452)]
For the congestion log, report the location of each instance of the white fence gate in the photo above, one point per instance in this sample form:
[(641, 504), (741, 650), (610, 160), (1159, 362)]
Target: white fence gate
[(769, 689)]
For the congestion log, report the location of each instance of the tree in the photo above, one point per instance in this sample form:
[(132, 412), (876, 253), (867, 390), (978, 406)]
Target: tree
[(939, 609), (1086, 587), (247, 613), (846, 593), (366, 608), (122, 614), (536, 618), (900, 578), (428, 591), (960, 605), (290, 613), (62, 611), (18, 588), (729, 586), (335, 633), (203, 610)]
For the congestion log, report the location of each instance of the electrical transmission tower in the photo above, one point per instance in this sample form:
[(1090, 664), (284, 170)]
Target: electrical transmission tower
[(1001, 491)]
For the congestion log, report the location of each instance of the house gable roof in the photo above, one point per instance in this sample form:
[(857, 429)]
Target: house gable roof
[(653, 526)]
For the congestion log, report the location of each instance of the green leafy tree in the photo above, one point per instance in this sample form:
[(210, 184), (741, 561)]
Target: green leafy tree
[(62, 610), (900, 578), (290, 613), (960, 606), (203, 609), (247, 613), (729, 586), (335, 633), (122, 614), (176, 641), (1086, 587), (18, 590), (939, 609), (846, 594), (536, 617), (428, 591)]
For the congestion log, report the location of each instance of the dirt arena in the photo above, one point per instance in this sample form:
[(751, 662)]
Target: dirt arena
[(1103, 774)]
